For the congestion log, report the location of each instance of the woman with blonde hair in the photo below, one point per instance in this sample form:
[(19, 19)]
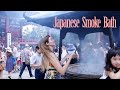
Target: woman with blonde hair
[(50, 61)]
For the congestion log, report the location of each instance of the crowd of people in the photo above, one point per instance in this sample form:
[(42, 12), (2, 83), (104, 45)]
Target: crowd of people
[(45, 61), (13, 60)]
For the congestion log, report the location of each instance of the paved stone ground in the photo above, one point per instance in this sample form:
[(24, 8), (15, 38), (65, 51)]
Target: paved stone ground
[(15, 75)]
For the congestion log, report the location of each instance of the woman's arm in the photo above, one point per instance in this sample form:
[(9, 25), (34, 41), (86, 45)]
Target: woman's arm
[(63, 59), (55, 62), (113, 75)]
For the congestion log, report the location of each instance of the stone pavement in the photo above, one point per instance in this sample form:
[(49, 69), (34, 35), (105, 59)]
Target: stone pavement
[(25, 75)]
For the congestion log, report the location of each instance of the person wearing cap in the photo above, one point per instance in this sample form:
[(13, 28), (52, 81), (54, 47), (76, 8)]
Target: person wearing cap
[(10, 62)]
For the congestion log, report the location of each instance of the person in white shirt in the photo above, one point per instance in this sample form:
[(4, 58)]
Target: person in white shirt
[(31, 51), (15, 51), (36, 62), (25, 58)]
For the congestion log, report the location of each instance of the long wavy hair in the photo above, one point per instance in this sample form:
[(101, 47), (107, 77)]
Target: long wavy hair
[(111, 53), (46, 52)]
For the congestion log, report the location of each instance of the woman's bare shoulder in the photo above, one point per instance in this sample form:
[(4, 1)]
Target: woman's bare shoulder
[(53, 56)]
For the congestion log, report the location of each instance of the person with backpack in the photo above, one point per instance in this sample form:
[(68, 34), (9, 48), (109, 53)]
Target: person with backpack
[(10, 61), (25, 58)]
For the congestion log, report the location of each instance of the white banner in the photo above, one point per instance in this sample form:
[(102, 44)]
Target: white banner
[(8, 39)]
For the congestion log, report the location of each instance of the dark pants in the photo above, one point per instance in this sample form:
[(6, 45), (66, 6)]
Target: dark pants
[(39, 74), (23, 68)]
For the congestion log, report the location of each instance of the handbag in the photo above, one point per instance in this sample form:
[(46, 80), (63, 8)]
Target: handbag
[(27, 59), (2, 66), (27, 62)]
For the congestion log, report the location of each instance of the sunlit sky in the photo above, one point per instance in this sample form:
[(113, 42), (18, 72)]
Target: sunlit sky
[(35, 14), (42, 14)]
